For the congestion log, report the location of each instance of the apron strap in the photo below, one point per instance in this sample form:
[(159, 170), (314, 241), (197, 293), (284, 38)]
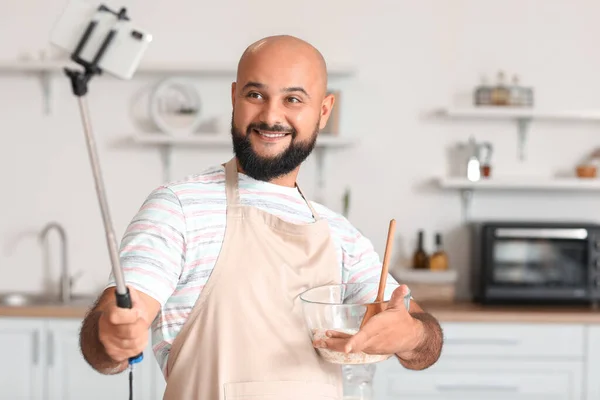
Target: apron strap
[(231, 183), (312, 210)]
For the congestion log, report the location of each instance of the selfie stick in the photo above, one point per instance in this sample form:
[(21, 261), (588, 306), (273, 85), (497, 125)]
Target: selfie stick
[(79, 84)]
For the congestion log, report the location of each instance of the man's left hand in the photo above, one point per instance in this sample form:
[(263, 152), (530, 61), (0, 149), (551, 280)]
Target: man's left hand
[(392, 331)]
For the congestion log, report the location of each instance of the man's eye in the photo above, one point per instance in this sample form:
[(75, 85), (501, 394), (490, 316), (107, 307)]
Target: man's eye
[(254, 95), (294, 100)]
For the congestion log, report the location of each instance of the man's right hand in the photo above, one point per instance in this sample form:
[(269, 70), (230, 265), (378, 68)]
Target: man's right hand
[(124, 331)]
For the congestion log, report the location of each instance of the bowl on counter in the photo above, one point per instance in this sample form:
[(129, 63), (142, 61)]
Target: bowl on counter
[(341, 308)]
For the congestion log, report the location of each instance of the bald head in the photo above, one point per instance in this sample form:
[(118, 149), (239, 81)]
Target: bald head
[(285, 51), (280, 103)]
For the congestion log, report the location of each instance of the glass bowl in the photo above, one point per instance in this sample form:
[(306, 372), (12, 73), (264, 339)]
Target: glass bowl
[(341, 307)]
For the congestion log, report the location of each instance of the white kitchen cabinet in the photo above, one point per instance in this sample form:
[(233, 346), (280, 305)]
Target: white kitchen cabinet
[(502, 340), (496, 361), (22, 366), (480, 361), (593, 363), (71, 378), (481, 378), (46, 364), (158, 382)]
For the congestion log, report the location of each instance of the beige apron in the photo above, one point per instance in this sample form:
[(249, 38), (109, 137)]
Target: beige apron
[(245, 338)]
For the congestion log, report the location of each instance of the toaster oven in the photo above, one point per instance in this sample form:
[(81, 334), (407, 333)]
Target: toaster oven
[(535, 262)]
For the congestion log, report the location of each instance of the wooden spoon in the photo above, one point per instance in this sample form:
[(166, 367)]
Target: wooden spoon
[(373, 309)]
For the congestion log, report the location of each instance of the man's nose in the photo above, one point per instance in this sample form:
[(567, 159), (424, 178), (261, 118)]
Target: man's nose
[(272, 113)]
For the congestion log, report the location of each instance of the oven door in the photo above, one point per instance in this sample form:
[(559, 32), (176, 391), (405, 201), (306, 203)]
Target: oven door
[(536, 264)]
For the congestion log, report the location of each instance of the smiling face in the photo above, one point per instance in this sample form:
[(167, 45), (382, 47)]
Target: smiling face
[(279, 105)]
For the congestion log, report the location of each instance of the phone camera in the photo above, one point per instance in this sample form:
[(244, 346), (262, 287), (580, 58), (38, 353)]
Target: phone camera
[(137, 35)]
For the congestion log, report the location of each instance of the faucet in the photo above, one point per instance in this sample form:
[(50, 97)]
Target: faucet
[(65, 278)]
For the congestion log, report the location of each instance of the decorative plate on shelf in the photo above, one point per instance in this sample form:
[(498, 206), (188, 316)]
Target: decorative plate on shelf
[(175, 107)]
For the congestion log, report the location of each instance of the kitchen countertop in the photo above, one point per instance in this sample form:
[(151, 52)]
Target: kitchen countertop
[(76, 311), (444, 312)]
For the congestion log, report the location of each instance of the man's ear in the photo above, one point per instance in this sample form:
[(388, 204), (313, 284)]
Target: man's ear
[(233, 86), (326, 108)]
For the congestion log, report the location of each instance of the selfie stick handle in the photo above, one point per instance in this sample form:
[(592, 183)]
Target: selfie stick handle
[(79, 85)]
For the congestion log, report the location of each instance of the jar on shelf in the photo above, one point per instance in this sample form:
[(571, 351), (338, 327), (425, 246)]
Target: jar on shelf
[(483, 94), (500, 95), (516, 93)]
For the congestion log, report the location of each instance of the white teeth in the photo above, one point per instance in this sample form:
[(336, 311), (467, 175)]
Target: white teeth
[(273, 135)]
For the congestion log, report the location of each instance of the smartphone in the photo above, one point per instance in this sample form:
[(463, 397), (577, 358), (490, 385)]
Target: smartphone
[(124, 53)]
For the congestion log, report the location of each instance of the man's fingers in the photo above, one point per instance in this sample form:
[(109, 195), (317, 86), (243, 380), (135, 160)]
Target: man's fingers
[(357, 342), (136, 300), (120, 350), (138, 304), (124, 344), (118, 316), (338, 334), (333, 340), (397, 298), (371, 329), (338, 341), (130, 331), (335, 344)]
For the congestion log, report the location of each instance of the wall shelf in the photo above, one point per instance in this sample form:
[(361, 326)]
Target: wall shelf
[(46, 70), (521, 116), (524, 184), (56, 66), (514, 113), (166, 144), (467, 188)]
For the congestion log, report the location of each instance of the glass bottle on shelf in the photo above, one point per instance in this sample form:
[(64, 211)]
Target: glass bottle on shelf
[(439, 259), (500, 94), (420, 256), (516, 93)]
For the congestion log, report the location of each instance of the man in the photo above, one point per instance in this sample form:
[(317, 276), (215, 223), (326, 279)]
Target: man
[(215, 263)]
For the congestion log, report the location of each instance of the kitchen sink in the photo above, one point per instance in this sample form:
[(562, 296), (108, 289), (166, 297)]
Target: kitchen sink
[(37, 299)]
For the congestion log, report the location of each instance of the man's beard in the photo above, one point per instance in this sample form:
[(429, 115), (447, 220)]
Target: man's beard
[(268, 168)]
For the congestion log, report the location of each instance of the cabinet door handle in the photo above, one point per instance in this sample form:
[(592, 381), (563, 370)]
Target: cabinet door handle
[(50, 354), (478, 388), (36, 347)]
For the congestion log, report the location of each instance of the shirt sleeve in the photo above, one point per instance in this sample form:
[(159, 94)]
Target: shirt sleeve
[(361, 263), (152, 250)]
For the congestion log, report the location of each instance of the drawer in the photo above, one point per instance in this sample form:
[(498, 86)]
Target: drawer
[(471, 383), (513, 340), (482, 379)]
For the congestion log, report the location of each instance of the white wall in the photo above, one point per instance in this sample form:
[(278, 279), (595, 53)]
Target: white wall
[(410, 56)]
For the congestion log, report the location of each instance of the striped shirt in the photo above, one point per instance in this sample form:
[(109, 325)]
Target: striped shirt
[(170, 247)]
